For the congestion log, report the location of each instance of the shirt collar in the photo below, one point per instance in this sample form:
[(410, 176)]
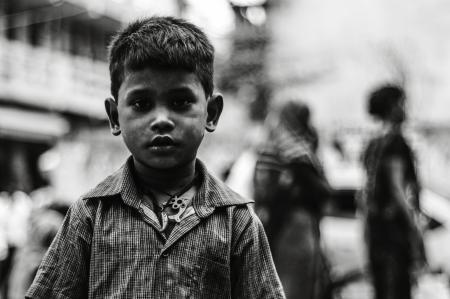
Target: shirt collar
[(212, 193)]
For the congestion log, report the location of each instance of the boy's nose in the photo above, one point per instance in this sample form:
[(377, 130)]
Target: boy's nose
[(162, 122)]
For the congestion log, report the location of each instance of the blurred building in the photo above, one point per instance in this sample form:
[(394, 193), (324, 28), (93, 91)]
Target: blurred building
[(245, 73), (54, 77)]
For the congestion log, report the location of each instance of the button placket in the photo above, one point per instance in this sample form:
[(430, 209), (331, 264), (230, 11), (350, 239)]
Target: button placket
[(150, 217)]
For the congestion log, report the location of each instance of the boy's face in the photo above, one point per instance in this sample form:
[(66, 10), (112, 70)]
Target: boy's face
[(162, 115)]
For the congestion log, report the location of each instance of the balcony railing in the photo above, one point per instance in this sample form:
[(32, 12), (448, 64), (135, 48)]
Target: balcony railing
[(53, 80), (125, 10)]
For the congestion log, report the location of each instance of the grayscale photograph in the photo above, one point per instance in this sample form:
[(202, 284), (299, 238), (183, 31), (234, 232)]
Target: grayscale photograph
[(236, 149)]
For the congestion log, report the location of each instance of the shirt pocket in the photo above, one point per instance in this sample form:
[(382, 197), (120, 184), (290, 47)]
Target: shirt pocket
[(212, 279)]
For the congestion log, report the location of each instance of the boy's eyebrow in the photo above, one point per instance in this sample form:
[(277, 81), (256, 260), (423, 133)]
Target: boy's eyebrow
[(182, 89), (139, 92), (148, 92)]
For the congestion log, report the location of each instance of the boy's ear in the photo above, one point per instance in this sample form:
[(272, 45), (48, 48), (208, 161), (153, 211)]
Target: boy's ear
[(113, 115), (214, 109)]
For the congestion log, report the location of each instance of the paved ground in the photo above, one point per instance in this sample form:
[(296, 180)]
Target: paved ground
[(430, 287), (342, 238)]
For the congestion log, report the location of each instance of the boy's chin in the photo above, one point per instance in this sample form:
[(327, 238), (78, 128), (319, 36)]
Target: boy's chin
[(164, 163)]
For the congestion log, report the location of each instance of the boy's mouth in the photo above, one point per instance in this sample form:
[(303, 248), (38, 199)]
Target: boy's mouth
[(162, 142)]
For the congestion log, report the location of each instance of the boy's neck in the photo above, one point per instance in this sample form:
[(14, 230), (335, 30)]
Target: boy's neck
[(169, 180)]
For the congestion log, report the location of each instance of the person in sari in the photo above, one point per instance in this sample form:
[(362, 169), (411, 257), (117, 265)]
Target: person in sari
[(290, 189), (391, 200)]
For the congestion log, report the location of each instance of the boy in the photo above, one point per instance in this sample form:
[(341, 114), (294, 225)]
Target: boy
[(161, 226)]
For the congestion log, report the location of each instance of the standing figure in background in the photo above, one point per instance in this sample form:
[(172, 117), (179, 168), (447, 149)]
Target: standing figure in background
[(391, 200), (290, 190), (45, 219)]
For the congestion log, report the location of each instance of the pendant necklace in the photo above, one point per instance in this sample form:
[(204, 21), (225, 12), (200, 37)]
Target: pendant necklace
[(176, 202)]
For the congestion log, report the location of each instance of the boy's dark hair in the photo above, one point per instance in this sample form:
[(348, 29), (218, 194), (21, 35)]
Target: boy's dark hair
[(382, 99), (165, 42)]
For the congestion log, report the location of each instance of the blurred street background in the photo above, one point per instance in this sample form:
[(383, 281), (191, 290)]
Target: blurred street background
[(55, 142)]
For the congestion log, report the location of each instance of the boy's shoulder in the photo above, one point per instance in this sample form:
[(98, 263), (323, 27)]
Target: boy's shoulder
[(119, 183), (110, 185), (213, 193), (223, 195)]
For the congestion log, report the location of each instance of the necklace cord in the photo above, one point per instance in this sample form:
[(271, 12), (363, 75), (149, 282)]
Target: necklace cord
[(181, 191)]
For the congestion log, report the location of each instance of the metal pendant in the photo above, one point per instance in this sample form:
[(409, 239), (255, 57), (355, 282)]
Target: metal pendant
[(179, 205)]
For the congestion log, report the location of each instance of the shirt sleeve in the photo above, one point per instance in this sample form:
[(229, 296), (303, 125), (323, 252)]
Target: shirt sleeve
[(63, 272), (253, 273)]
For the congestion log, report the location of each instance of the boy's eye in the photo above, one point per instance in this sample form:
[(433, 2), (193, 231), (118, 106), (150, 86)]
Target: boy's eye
[(141, 105), (181, 103)]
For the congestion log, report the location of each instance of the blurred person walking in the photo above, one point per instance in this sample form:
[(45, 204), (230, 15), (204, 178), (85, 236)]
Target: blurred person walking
[(42, 226), (46, 214), (391, 200), (15, 211), (290, 190)]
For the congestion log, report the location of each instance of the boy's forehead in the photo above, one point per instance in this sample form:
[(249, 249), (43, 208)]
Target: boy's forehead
[(160, 79), (155, 73)]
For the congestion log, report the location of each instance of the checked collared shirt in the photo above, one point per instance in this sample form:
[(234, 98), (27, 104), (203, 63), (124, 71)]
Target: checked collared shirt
[(109, 246)]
